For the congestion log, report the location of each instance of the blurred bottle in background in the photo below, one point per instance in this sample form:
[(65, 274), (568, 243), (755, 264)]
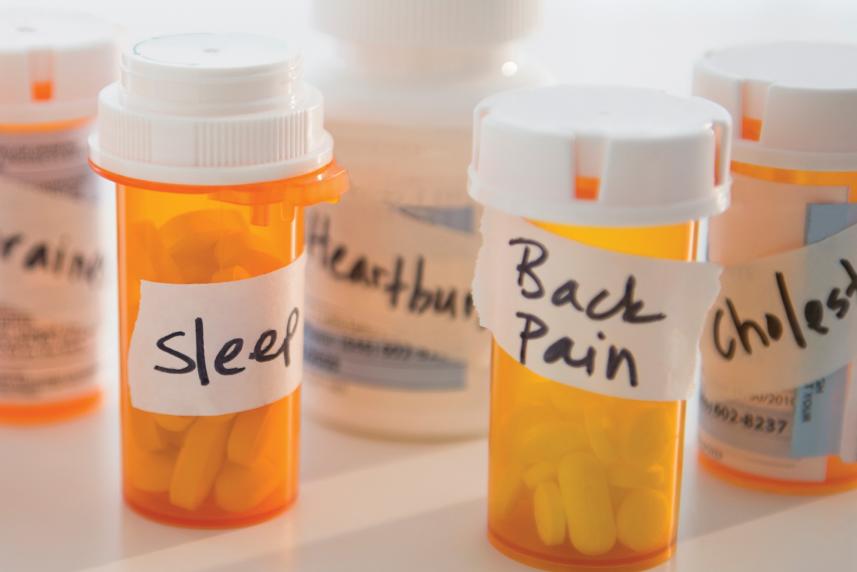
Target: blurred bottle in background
[(393, 345), (52, 66)]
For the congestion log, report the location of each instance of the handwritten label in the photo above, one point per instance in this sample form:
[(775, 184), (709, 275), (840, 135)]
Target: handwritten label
[(784, 320), (52, 266), (51, 256), (412, 278), (616, 324), (210, 349)]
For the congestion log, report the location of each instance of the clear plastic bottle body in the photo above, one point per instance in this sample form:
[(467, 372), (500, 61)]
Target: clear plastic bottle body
[(224, 470), (402, 123), (741, 464), (49, 365), (579, 480)]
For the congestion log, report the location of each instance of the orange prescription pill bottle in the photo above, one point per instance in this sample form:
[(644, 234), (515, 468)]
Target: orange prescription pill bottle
[(52, 66), (779, 403), (592, 197), (216, 147)]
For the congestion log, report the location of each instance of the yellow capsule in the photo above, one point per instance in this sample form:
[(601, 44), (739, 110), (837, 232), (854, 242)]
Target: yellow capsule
[(600, 433), (629, 476), (151, 472), (650, 436), (549, 514), (566, 400), (144, 430), (539, 473), (587, 502), (248, 250), (174, 423), (155, 263), (191, 239), (549, 441), (230, 274), (239, 488), (198, 462), (644, 520), (254, 433)]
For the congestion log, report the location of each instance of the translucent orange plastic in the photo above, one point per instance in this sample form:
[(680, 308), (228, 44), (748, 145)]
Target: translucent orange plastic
[(579, 480), (218, 471), (63, 409), (841, 476)]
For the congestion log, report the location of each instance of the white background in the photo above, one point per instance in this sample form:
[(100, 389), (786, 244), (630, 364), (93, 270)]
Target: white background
[(371, 505)]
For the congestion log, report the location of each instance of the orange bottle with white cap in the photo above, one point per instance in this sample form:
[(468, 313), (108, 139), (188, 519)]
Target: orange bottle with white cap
[(779, 405), (216, 146), (52, 260), (592, 197)]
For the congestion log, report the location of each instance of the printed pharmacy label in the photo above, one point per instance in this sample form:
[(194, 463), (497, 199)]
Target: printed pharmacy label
[(620, 325), (210, 349), (784, 320), (397, 273), (786, 433), (51, 267)]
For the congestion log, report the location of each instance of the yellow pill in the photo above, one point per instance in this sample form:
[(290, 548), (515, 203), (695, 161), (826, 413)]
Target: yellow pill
[(230, 274), (630, 476), (198, 462), (151, 472), (644, 520), (650, 436), (144, 430), (174, 423), (549, 514), (248, 250), (587, 502), (600, 433), (549, 441), (566, 400), (207, 225), (239, 488), (153, 261), (255, 433), (539, 473), (191, 239)]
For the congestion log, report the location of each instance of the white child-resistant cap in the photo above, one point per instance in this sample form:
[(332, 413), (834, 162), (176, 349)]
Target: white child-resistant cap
[(603, 156), (794, 104), (210, 109), (431, 23), (52, 65)]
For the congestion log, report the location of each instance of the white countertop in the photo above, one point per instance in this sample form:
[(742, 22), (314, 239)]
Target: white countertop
[(364, 505)]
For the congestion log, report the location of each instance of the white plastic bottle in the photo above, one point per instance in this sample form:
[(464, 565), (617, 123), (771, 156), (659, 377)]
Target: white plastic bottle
[(52, 250), (393, 345)]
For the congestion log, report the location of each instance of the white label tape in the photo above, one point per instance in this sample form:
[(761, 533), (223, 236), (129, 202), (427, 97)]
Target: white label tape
[(784, 320), (395, 275), (210, 349), (51, 263), (611, 323)]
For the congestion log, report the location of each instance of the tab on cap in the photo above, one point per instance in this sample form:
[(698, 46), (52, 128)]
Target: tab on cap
[(606, 156), (794, 104)]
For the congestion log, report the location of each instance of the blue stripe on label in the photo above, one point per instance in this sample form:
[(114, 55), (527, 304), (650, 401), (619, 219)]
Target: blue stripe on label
[(456, 218), (379, 363), (818, 412)]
